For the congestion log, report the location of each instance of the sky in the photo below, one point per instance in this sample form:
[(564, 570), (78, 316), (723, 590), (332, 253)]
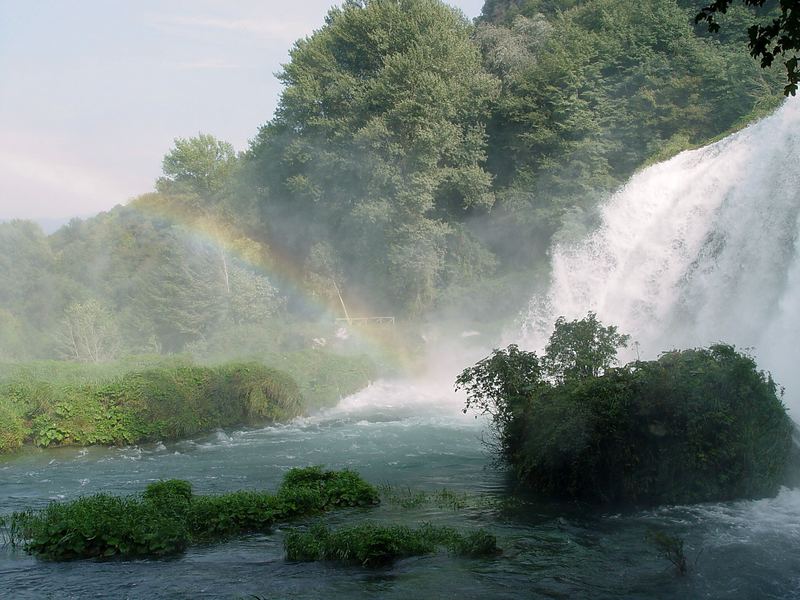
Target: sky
[(93, 92)]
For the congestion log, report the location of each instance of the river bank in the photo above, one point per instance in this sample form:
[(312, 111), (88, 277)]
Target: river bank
[(50, 403)]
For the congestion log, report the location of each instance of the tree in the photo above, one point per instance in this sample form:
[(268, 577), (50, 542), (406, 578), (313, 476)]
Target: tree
[(379, 142), (582, 348), (781, 37), (89, 333), (201, 164), (252, 298), (501, 385)]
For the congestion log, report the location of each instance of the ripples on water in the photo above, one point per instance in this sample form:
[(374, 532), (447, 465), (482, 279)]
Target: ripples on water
[(416, 438)]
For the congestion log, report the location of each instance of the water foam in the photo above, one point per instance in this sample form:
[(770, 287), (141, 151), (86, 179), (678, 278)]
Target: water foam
[(699, 249)]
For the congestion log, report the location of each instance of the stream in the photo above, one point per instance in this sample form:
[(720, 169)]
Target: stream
[(413, 437)]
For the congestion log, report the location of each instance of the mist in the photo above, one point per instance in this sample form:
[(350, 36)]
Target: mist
[(481, 306)]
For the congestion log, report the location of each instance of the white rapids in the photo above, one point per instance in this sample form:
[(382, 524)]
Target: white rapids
[(699, 249)]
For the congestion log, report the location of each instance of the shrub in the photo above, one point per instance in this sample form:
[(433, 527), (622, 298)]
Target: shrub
[(214, 517), (168, 402), (373, 545), (330, 489), (167, 516), (103, 526), (693, 426), (12, 429)]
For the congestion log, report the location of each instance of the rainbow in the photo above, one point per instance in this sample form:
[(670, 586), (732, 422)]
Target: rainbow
[(281, 268)]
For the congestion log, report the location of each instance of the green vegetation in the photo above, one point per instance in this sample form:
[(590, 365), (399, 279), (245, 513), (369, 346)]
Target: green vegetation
[(146, 398), (325, 378), (167, 518), (443, 498), (695, 425), (417, 164), (671, 548), (768, 38), (373, 545), (66, 404)]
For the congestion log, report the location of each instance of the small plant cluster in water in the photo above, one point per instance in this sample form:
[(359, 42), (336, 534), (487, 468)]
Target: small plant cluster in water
[(445, 499), (372, 545), (671, 548), (168, 517)]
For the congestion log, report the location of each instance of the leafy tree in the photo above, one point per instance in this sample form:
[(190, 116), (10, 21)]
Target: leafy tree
[(252, 298), (14, 344), (89, 333), (780, 37), (500, 386), (182, 294), (378, 141), (582, 348), (202, 164), (593, 90)]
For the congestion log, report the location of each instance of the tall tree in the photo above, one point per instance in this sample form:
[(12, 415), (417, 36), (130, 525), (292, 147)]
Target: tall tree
[(89, 333), (379, 139), (201, 164)]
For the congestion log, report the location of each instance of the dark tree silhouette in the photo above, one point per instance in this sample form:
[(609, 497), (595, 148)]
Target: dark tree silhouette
[(781, 37)]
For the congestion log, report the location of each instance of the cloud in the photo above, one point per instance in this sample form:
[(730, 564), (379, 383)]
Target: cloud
[(285, 31)]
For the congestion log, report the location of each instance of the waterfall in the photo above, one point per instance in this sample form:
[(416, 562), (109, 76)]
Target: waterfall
[(699, 249)]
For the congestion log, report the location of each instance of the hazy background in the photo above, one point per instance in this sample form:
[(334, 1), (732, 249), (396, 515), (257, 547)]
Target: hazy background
[(93, 93)]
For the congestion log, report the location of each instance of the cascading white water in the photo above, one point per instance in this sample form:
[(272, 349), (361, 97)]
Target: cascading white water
[(699, 249)]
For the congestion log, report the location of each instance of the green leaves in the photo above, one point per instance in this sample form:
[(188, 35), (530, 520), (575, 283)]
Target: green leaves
[(202, 164), (768, 39), (374, 545), (168, 517), (693, 426)]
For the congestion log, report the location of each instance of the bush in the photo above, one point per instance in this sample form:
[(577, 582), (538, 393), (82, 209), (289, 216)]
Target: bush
[(169, 402), (12, 429), (103, 526), (215, 517), (167, 517), (335, 488), (373, 545), (693, 426)]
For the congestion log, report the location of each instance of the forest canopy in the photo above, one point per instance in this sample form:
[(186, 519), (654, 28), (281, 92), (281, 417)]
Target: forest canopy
[(417, 163)]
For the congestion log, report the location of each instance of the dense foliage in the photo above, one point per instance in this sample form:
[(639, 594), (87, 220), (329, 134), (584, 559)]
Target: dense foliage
[(693, 426), (168, 517), (416, 162), (372, 545), (157, 403), (779, 36)]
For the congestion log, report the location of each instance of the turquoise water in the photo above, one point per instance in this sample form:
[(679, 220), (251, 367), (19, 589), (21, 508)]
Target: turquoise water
[(414, 438)]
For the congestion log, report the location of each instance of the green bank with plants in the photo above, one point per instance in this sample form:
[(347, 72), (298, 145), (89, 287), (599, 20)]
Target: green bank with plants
[(59, 403), (692, 426)]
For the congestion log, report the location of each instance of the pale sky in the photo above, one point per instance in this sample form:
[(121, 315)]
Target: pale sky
[(93, 92)]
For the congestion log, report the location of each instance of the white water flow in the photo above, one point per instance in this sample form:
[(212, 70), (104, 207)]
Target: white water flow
[(699, 249)]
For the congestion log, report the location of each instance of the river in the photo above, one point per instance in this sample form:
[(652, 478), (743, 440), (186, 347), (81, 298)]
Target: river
[(415, 438)]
